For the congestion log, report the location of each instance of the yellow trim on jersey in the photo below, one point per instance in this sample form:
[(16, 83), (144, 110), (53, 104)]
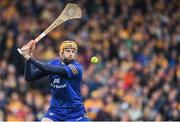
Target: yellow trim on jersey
[(73, 69)]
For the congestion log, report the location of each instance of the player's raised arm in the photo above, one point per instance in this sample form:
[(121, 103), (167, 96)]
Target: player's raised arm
[(42, 68), (32, 74), (48, 68), (29, 72)]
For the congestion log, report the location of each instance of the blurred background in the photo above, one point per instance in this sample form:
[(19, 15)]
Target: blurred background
[(137, 42)]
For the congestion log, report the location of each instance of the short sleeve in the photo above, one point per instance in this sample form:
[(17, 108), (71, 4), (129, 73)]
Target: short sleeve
[(73, 70)]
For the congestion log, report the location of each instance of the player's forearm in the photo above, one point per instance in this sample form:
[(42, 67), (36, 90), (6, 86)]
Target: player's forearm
[(48, 67), (32, 74)]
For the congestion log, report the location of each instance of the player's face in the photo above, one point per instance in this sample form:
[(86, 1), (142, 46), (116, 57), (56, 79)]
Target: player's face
[(69, 54)]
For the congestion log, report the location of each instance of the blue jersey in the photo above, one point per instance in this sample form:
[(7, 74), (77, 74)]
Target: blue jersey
[(66, 98)]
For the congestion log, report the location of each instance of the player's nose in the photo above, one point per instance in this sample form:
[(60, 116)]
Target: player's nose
[(70, 54)]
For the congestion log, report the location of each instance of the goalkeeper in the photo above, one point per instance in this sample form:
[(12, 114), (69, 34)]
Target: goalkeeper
[(65, 75)]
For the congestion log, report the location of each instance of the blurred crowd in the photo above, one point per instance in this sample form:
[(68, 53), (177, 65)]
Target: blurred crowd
[(137, 42)]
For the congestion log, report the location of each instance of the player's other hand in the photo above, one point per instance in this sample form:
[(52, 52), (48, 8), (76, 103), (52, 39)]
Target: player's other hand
[(27, 50), (32, 47)]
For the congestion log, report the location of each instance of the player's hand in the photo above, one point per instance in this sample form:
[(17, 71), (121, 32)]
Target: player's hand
[(32, 47), (27, 50)]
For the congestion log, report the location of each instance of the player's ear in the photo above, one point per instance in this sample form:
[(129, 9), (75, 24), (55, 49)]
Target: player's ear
[(60, 54)]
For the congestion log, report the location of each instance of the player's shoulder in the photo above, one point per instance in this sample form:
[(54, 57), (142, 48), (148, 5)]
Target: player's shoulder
[(76, 68), (54, 61), (76, 65)]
